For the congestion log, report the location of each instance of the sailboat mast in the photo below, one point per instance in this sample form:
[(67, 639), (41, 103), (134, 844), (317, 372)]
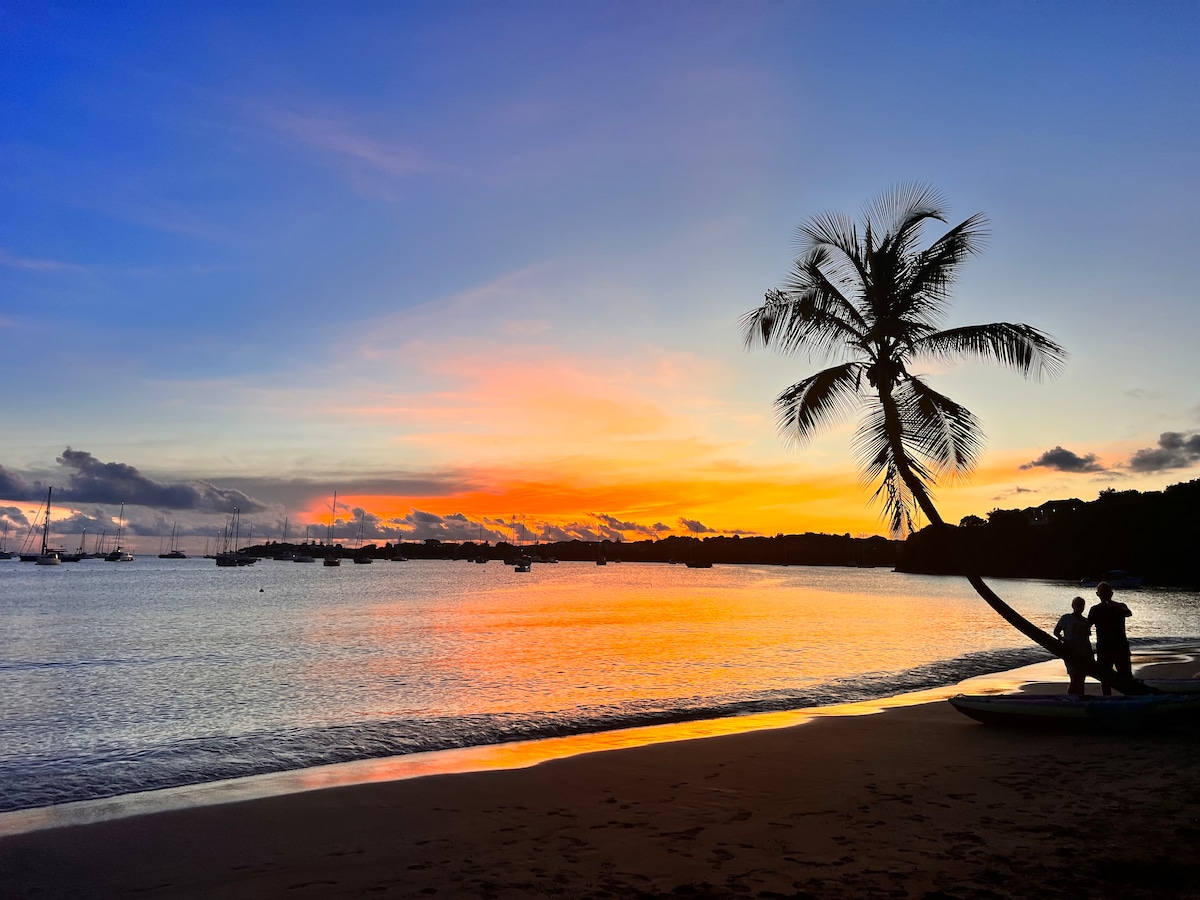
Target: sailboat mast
[(46, 524), (332, 518)]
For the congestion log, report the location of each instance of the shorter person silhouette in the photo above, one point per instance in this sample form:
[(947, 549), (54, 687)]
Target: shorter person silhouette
[(1112, 646), (1074, 630)]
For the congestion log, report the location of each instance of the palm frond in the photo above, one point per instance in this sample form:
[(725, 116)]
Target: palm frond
[(946, 434), (876, 444), (889, 211), (811, 317), (817, 401), (834, 231), (1024, 348), (933, 271)]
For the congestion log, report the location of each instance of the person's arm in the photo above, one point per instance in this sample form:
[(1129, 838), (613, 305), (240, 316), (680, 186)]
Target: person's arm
[(1125, 610)]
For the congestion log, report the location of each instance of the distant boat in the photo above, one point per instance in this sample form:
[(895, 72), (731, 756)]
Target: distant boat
[(79, 554), (700, 564), (330, 559), (232, 557), (173, 551), (47, 557), (4, 552), (119, 554), (1117, 579), (361, 558)]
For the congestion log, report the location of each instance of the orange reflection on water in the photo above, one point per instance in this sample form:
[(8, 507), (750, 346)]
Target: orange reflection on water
[(522, 754)]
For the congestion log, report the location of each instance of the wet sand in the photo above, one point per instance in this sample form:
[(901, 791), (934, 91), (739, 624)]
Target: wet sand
[(916, 802)]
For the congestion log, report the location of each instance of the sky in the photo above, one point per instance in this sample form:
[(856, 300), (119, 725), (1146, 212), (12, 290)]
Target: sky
[(473, 263)]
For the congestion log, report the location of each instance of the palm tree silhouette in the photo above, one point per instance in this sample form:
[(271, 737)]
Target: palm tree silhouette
[(872, 297)]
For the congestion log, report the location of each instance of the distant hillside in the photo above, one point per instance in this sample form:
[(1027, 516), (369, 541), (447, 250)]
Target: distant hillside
[(1154, 534)]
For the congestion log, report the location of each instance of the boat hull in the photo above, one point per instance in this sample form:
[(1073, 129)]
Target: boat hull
[(1065, 711)]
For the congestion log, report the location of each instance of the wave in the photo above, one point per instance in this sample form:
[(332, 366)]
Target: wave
[(107, 771)]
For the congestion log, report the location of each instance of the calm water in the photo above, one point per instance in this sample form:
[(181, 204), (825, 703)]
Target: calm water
[(120, 677)]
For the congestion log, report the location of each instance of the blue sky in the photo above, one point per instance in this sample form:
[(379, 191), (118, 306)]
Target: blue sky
[(442, 253)]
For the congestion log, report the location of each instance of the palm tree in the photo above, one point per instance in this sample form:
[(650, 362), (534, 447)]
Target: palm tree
[(872, 298)]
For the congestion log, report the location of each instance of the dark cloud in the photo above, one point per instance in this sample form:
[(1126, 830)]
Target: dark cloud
[(696, 527), (573, 531), (1063, 460), (92, 481), (14, 487), (420, 525), (13, 517), (1174, 451), (613, 527)]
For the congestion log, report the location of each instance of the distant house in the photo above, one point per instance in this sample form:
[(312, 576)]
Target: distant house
[(1048, 511)]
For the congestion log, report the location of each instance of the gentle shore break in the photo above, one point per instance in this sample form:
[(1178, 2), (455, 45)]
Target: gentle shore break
[(915, 802)]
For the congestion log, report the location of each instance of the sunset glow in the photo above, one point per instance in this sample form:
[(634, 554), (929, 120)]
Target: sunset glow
[(496, 275)]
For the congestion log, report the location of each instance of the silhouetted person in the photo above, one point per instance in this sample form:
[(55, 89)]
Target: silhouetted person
[(1075, 631), (1112, 647)]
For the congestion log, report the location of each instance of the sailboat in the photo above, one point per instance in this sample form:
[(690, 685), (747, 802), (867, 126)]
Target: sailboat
[(5, 553), (303, 555), (119, 554), (360, 557), (330, 559), (47, 557), (231, 558), (173, 551), (284, 555), (78, 554)]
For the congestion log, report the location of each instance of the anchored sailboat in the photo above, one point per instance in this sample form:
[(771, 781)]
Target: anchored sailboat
[(47, 557), (119, 554), (173, 551), (330, 558)]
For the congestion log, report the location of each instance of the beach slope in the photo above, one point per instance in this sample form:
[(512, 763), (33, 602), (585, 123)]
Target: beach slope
[(916, 802)]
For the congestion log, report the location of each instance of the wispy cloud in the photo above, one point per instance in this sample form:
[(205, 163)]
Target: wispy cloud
[(27, 264), (332, 137)]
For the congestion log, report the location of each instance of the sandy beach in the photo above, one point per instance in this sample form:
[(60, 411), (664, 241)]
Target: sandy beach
[(916, 802)]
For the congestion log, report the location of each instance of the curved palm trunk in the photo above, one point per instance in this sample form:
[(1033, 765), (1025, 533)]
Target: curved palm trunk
[(990, 597)]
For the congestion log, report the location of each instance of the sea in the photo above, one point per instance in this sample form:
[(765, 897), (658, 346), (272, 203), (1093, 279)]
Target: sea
[(119, 678)]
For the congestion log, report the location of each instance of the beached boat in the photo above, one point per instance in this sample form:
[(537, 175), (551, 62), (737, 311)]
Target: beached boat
[(1173, 685), (1063, 710)]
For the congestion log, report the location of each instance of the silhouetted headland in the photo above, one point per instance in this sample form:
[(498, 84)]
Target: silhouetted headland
[(1152, 534)]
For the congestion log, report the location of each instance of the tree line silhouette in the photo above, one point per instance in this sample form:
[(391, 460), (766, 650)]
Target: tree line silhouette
[(1153, 534)]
